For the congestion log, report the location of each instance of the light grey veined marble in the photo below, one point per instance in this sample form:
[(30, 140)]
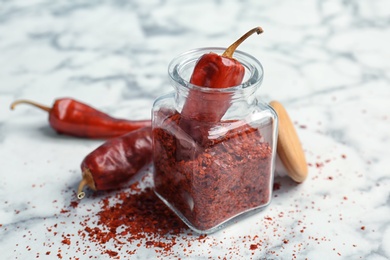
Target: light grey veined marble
[(326, 61)]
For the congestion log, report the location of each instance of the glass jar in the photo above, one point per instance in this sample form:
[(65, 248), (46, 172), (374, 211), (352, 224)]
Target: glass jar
[(212, 170)]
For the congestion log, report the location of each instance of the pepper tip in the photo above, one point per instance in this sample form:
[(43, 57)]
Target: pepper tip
[(24, 101), (12, 106), (87, 180), (80, 192), (230, 50), (259, 30), (81, 195)]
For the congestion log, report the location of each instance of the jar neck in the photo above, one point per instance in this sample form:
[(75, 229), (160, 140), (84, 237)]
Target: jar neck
[(201, 94), (181, 68)]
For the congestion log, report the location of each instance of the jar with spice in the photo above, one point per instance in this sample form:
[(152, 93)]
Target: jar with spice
[(214, 149)]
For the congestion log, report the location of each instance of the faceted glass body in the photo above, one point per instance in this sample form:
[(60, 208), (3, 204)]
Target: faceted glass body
[(212, 171)]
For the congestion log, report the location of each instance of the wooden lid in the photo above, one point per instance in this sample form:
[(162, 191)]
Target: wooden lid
[(289, 147)]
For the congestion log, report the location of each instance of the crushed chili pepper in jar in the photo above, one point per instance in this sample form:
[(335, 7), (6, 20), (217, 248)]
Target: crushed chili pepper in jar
[(228, 176)]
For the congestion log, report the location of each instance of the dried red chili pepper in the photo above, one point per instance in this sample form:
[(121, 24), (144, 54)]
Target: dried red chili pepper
[(213, 71), (71, 117), (221, 71), (113, 164)]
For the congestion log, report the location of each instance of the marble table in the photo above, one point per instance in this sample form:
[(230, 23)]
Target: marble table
[(326, 61)]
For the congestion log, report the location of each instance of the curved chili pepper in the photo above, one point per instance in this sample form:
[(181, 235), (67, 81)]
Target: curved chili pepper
[(212, 71), (117, 161), (71, 117)]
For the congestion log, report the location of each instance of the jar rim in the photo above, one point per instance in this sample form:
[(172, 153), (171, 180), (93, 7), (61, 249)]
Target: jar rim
[(248, 61)]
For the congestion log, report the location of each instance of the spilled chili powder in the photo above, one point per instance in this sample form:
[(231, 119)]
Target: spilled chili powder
[(134, 218), (225, 175)]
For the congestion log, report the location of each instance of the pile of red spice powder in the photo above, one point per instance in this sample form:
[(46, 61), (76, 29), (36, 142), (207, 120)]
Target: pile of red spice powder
[(134, 218)]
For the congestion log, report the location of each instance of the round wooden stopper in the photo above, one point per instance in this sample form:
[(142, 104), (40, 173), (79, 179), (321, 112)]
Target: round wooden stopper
[(289, 148)]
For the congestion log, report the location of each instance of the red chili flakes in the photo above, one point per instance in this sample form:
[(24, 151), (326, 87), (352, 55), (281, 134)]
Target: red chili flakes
[(141, 217), (319, 164), (276, 186), (343, 156), (253, 247), (66, 241), (63, 211), (202, 237), (285, 241), (111, 253), (74, 204), (241, 153), (149, 243), (362, 227)]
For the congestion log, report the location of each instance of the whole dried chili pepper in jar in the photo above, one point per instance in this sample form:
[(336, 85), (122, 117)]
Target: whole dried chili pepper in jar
[(221, 167), (117, 162), (71, 117), (214, 71)]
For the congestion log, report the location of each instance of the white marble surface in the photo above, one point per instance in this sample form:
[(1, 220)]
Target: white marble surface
[(327, 61)]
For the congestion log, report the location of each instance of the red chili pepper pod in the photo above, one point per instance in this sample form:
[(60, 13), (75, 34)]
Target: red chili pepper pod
[(117, 161), (212, 71), (71, 117)]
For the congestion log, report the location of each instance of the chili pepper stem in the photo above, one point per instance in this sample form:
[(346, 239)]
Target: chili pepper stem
[(80, 192), (86, 181), (23, 101), (230, 50)]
